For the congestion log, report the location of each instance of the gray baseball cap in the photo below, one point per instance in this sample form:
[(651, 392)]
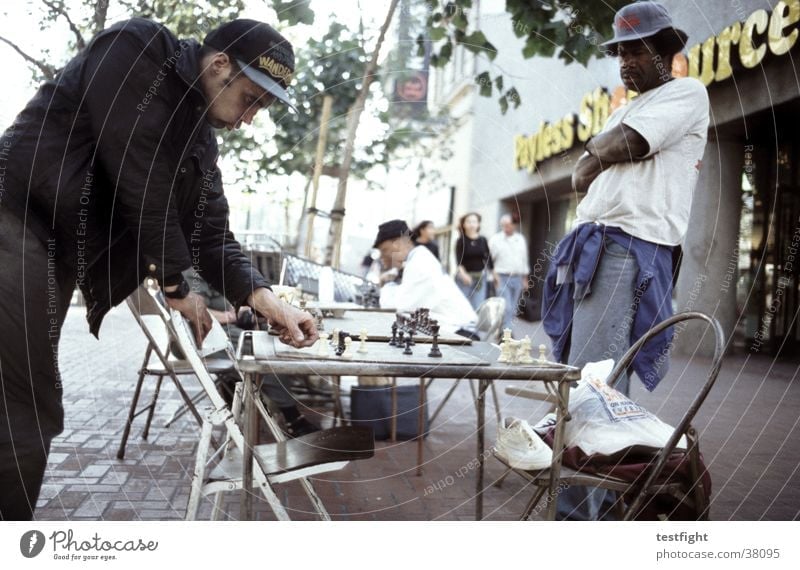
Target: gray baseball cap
[(641, 20)]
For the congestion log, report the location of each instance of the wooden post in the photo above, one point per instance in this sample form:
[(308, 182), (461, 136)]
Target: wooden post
[(327, 104), (333, 248)]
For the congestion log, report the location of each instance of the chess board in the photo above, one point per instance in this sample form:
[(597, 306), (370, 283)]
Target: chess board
[(379, 327), (377, 352)]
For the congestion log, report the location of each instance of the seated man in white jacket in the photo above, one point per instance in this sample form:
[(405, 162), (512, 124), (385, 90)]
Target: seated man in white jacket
[(423, 284)]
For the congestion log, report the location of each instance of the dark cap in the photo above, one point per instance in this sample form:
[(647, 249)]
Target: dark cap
[(391, 230), (265, 56), (641, 20)]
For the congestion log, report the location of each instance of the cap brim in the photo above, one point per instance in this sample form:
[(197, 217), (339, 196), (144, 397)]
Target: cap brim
[(267, 83), (633, 37)]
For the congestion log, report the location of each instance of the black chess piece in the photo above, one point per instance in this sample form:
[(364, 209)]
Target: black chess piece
[(341, 347), (400, 341), (408, 345), (393, 342), (411, 332), (435, 352)]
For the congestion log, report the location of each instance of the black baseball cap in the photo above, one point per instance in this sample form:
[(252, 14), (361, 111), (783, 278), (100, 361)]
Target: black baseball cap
[(265, 56), (391, 230)]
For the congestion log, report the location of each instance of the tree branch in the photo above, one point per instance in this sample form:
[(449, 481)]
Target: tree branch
[(47, 70), (100, 14), (60, 10)]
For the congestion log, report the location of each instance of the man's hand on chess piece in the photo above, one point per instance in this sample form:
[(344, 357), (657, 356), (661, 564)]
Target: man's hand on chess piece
[(294, 327)]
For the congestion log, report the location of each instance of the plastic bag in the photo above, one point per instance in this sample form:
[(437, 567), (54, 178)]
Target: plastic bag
[(606, 421)]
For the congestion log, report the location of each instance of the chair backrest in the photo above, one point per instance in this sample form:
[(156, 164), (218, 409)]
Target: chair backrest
[(153, 319), (683, 426), (490, 318)]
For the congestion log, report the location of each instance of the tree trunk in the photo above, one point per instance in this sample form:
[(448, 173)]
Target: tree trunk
[(333, 249)]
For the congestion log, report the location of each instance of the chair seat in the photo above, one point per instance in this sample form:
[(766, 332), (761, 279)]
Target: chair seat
[(574, 477), (214, 366), (325, 447)]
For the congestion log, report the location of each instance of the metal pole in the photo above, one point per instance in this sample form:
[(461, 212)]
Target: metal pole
[(327, 104)]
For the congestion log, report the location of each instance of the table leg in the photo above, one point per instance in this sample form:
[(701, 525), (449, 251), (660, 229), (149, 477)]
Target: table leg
[(483, 385), (394, 410), (249, 427), (562, 407), (420, 426)]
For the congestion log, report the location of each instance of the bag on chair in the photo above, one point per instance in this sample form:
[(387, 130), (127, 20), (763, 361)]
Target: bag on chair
[(371, 406)]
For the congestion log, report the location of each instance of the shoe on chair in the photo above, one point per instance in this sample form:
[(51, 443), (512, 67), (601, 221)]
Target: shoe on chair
[(521, 447)]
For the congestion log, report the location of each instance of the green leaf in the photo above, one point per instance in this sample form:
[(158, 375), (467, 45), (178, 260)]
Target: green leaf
[(294, 12), (446, 52), (485, 83), (437, 33), (498, 82), (503, 104)]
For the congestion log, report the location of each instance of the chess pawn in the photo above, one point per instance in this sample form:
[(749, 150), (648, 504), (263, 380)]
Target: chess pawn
[(524, 351), (393, 342), (505, 351), (362, 347), (408, 351), (348, 347), (322, 345), (400, 341), (542, 353)]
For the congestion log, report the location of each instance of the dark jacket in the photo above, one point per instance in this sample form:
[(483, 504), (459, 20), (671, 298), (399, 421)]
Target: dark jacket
[(115, 161)]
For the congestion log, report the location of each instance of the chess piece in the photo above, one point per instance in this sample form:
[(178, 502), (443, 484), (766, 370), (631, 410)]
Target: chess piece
[(400, 341), (524, 352), (393, 342), (435, 352), (408, 346), (322, 345), (335, 337), (340, 344), (505, 350), (506, 334), (362, 347), (347, 352), (411, 332), (542, 353)]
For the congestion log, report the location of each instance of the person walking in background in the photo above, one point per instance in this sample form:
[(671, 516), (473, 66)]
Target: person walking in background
[(425, 234), (510, 256), (474, 260)]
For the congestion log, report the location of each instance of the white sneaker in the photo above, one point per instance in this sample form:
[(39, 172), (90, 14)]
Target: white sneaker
[(521, 447)]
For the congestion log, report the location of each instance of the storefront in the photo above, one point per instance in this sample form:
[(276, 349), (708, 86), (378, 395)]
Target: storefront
[(742, 252)]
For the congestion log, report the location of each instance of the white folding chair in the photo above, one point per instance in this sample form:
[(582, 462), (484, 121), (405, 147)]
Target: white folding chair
[(220, 470), (159, 361)]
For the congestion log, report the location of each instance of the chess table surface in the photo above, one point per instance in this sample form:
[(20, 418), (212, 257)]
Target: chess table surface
[(461, 364), (379, 352), (379, 327)]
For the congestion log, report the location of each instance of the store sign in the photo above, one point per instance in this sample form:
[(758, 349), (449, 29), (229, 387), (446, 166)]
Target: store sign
[(743, 45)]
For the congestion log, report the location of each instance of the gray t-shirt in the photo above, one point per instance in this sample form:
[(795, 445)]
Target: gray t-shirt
[(651, 198)]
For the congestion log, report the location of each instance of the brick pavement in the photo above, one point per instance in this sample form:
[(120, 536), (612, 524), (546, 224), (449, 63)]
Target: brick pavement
[(749, 435)]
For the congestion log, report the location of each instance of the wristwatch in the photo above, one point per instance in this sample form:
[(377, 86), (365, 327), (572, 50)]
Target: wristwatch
[(180, 293)]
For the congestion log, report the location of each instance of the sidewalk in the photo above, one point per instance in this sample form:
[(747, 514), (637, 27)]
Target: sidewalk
[(748, 429)]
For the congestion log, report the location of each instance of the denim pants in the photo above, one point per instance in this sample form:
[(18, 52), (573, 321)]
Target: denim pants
[(510, 290), (476, 292), (601, 329)]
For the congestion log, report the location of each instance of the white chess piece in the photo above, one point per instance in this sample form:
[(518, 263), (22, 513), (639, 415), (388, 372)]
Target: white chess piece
[(524, 353), (335, 337), (348, 347), (542, 353), (322, 345), (506, 334), (505, 350), (362, 347)]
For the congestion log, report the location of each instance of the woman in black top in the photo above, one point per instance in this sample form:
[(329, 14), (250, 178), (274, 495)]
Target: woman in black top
[(475, 266), (425, 234)]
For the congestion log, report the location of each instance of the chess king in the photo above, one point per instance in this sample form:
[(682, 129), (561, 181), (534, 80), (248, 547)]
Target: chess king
[(423, 283)]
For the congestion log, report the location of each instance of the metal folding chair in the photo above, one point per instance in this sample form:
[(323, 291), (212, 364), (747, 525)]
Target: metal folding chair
[(160, 362), (639, 493), (220, 470), (490, 324)]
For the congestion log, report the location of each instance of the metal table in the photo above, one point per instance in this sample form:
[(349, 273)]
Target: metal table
[(557, 379)]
